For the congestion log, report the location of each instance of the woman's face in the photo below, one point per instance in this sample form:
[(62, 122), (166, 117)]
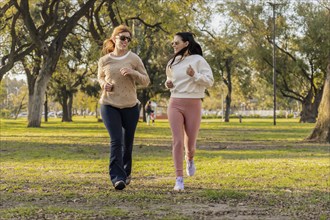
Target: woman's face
[(122, 40), (178, 44)]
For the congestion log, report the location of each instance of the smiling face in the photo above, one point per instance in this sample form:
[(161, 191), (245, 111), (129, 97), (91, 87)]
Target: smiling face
[(178, 44), (122, 40)]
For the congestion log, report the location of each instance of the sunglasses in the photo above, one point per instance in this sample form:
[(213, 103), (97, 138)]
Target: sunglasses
[(175, 43), (123, 38)]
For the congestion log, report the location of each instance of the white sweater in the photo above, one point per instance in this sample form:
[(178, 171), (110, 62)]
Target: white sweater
[(185, 86)]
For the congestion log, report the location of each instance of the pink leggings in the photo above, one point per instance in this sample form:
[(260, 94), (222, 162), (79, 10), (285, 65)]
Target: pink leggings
[(184, 115)]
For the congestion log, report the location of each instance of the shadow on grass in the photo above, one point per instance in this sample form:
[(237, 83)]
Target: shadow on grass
[(25, 150)]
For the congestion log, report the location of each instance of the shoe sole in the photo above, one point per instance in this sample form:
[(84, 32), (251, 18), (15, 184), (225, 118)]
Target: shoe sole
[(178, 190), (120, 185), (188, 174)]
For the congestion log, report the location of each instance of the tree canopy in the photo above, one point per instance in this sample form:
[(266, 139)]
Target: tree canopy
[(57, 45)]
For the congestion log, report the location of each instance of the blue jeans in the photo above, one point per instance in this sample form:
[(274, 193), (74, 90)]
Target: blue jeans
[(121, 125)]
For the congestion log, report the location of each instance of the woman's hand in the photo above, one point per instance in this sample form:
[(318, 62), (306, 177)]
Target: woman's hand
[(169, 84), (190, 71), (108, 87), (126, 71)]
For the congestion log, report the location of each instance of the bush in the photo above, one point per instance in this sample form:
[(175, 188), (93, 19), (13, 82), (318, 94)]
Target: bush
[(5, 113)]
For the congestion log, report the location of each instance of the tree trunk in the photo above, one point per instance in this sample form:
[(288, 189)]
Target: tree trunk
[(227, 111), (37, 100), (96, 110), (321, 132), (228, 63), (64, 103), (46, 108), (70, 102), (310, 107), (145, 99)]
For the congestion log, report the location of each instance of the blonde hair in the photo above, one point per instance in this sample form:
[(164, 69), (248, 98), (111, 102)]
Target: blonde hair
[(108, 44)]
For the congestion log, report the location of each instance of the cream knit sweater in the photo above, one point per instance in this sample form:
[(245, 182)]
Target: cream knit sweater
[(123, 94), (186, 86)]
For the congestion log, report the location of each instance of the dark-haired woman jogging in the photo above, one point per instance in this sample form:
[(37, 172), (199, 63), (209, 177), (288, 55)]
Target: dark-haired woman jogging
[(188, 75)]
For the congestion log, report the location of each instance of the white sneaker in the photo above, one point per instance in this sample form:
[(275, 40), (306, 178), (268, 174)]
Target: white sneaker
[(179, 184), (190, 168)]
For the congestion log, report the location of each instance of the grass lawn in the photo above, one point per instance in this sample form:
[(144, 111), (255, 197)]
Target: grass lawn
[(249, 170)]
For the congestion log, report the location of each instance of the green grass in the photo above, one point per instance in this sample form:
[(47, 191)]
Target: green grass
[(251, 169)]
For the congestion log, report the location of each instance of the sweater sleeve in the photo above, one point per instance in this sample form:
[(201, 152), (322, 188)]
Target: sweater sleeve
[(101, 74), (204, 75), (141, 75)]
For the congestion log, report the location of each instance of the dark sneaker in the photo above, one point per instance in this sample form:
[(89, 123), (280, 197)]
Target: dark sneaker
[(120, 185), (128, 180)]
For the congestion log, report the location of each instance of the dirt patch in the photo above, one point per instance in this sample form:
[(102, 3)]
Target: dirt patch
[(225, 211)]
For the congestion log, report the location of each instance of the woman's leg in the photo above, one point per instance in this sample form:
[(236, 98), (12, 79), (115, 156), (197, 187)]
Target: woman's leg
[(193, 115), (130, 118), (113, 122), (176, 120)]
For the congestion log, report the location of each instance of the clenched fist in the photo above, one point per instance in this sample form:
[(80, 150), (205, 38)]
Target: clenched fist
[(190, 71)]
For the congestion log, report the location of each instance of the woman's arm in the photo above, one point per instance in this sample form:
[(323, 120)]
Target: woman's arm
[(203, 75), (101, 75)]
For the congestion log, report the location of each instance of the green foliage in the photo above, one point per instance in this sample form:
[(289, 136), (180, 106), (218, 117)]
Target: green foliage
[(244, 35), (13, 95), (301, 38)]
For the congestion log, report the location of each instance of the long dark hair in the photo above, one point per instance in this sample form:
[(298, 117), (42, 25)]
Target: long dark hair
[(192, 48)]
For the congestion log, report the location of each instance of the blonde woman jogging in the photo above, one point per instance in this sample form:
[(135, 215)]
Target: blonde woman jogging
[(119, 70)]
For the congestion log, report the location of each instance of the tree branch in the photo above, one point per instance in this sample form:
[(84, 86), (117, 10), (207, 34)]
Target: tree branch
[(7, 6), (29, 23), (112, 14), (8, 61), (208, 32), (157, 25), (289, 55)]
